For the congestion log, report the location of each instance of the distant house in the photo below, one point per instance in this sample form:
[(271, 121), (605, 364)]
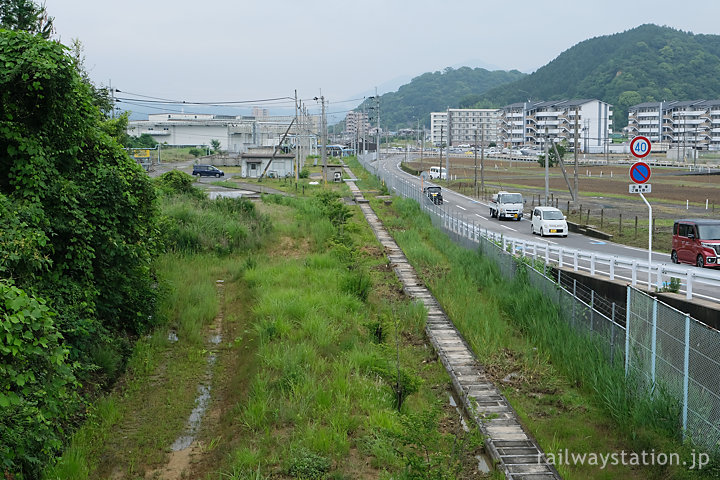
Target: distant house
[(255, 160)]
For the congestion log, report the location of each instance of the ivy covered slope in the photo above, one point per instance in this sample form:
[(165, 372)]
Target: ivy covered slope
[(77, 230), (646, 64)]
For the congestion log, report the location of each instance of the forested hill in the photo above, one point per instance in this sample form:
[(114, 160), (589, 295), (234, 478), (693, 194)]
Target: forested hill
[(433, 92), (645, 64)]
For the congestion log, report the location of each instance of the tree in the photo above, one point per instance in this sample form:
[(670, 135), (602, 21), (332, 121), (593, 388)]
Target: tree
[(25, 15), (553, 158), (215, 145), (78, 226)]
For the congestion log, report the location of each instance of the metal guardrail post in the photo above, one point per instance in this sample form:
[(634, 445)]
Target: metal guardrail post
[(592, 264), (547, 253), (575, 261), (688, 285), (633, 282), (612, 268), (592, 310)]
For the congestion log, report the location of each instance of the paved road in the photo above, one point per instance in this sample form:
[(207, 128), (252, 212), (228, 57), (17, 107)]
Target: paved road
[(477, 212)]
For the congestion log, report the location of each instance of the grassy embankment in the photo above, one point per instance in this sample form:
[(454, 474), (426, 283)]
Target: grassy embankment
[(560, 384), (322, 370)]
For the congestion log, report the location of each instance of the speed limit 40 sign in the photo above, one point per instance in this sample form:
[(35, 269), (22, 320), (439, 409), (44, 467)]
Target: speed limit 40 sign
[(640, 147)]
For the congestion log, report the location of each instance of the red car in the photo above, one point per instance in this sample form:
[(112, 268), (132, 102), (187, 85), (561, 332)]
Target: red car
[(696, 241)]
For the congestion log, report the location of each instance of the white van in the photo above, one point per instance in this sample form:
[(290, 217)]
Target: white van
[(437, 172)]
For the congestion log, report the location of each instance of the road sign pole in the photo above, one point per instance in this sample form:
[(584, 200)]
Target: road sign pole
[(649, 240)]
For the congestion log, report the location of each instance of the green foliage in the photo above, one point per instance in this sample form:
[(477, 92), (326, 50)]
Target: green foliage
[(304, 173), (307, 465), (176, 182), (145, 140), (434, 92), (196, 152), (428, 453), (36, 382), (553, 155), (78, 224), (25, 15), (215, 145), (193, 225), (332, 207), (645, 64)]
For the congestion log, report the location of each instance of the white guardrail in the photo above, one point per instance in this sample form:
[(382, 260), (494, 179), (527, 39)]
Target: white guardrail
[(613, 267)]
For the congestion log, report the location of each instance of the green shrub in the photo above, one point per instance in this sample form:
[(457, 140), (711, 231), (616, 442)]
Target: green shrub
[(37, 384), (308, 465)]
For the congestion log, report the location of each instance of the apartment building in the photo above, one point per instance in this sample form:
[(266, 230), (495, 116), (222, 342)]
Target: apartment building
[(465, 126), (531, 124), (693, 124), (357, 125)]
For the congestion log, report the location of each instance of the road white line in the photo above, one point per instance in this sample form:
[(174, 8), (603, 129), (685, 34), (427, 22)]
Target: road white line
[(503, 226), (478, 215), (461, 208)]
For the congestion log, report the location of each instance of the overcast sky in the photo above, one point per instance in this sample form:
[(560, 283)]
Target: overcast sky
[(250, 50)]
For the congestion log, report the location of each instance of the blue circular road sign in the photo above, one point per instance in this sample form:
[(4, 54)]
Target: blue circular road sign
[(640, 172)]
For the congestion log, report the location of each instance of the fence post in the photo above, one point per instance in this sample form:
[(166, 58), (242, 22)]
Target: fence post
[(653, 344), (686, 374), (612, 335), (574, 299), (628, 310), (592, 310)]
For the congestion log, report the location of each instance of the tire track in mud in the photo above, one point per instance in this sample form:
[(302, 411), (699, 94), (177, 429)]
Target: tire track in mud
[(186, 447)]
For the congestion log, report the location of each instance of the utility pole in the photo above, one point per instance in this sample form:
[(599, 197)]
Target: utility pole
[(441, 145), (577, 146), (297, 142), (547, 168), (482, 160), (447, 154), (379, 135), (476, 149)]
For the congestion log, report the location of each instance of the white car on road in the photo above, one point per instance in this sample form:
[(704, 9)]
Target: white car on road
[(548, 221)]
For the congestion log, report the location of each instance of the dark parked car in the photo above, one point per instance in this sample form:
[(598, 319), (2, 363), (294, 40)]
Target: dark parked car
[(696, 241), (434, 194), (207, 171)]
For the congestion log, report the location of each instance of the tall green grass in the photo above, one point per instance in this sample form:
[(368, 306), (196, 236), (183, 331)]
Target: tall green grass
[(491, 312)]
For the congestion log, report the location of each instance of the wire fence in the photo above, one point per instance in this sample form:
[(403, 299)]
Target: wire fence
[(666, 348)]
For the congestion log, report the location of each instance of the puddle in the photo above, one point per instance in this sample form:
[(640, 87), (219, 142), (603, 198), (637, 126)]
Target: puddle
[(212, 195), (193, 424), (202, 400)]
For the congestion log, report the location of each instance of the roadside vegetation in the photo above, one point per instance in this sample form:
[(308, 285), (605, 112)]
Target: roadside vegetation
[(322, 371), (560, 383)]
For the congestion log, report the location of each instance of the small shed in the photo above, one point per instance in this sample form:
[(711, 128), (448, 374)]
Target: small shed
[(333, 173), (255, 160)]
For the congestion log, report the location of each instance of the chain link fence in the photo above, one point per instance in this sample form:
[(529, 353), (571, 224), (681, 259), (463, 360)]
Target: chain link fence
[(667, 348)]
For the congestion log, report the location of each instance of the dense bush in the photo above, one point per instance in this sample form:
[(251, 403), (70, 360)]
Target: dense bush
[(77, 232)]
